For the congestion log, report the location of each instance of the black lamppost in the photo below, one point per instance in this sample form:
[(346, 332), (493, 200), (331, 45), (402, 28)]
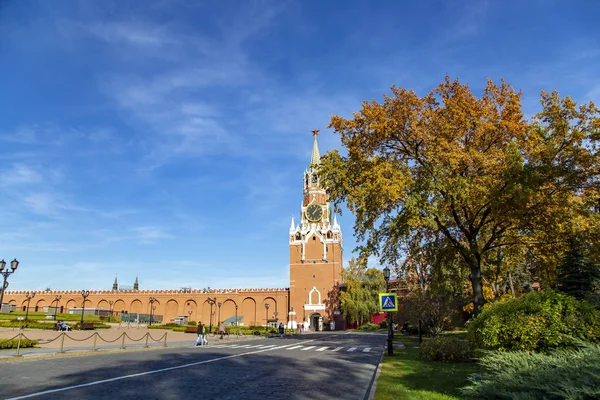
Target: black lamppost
[(211, 302), (152, 300), (386, 276), (28, 296), (219, 304), (236, 320), (267, 316), (189, 315), (110, 306), (56, 299), (85, 294), (13, 267)]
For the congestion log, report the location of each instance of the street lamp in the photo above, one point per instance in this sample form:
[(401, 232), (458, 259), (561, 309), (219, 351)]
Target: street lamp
[(85, 294), (152, 300), (13, 267), (56, 299), (110, 306), (211, 302), (236, 320), (267, 305), (219, 304), (386, 276), (28, 296)]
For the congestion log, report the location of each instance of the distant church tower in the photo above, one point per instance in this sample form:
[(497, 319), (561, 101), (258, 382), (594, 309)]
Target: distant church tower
[(115, 285), (136, 284), (315, 251)]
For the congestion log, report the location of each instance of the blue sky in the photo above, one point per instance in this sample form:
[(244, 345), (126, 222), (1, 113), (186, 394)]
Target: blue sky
[(167, 139)]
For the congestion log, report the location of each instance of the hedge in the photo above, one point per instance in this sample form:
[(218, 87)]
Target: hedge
[(538, 321)]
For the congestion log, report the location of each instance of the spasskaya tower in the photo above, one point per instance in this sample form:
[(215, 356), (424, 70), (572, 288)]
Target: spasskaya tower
[(315, 252)]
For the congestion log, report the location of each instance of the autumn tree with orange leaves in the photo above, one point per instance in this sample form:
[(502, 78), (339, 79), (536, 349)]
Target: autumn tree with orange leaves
[(472, 169)]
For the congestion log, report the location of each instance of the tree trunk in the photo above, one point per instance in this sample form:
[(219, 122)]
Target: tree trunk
[(476, 283), (512, 287)]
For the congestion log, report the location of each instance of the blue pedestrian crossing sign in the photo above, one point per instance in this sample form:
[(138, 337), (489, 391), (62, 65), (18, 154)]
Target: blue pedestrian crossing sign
[(388, 302)]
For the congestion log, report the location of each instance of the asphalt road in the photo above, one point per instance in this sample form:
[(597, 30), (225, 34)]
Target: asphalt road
[(316, 366)]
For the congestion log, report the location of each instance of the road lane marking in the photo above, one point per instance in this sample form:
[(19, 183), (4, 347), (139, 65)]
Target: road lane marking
[(295, 347), (337, 349), (156, 371), (322, 348), (308, 348), (366, 350), (280, 347), (352, 349)]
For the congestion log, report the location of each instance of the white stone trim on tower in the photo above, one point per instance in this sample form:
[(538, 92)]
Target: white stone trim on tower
[(314, 307)]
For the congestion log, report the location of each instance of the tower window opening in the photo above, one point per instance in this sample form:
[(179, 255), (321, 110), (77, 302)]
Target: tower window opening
[(314, 238)]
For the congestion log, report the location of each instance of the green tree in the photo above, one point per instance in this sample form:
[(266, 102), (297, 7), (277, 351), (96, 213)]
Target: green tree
[(578, 274), (359, 299), (472, 169)]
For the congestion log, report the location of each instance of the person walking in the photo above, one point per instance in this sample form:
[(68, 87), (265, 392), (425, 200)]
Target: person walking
[(200, 331)]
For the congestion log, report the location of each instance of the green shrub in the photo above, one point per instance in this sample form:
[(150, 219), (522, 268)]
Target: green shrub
[(27, 324), (445, 348), (257, 333), (13, 343), (560, 374), (538, 321), (369, 326), (192, 323), (383, 324)]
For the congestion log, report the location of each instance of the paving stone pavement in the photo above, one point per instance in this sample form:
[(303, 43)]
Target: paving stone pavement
[(317, 366)]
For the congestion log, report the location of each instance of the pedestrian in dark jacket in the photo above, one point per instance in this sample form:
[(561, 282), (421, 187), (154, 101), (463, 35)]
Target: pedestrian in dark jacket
[(200, 331)]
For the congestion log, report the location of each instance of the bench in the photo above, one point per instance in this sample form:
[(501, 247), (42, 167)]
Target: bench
[(191, 329), (87, 325)]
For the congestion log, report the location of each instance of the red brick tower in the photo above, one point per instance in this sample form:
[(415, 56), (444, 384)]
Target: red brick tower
[(315, 252)]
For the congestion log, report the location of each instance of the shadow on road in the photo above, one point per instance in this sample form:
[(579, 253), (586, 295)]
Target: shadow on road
[(189, 373)]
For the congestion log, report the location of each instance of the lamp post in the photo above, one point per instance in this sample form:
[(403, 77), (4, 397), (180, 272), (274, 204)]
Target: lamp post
[(152, 300), (386, 276), (189, 315), (110, 306), (267, 305), (13, 267), (219, 304), (211, 302), (28, 296), (84, 294), (56, 299), (236, 320)]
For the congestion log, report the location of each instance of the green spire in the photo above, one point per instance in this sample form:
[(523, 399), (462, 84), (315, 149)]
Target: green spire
[(315, 158)]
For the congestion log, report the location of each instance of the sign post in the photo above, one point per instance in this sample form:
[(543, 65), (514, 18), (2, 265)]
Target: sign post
[(388, 302)]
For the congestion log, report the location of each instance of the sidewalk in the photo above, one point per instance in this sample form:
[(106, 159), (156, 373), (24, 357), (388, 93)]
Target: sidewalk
[(102, 339)]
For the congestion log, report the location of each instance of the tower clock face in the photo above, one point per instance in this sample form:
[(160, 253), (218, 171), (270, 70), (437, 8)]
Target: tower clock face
[(314, 212)]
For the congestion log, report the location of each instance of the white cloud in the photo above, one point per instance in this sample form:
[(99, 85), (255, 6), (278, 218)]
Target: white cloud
[(19, 174)]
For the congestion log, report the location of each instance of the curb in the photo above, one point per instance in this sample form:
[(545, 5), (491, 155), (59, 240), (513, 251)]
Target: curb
[(370, 395)]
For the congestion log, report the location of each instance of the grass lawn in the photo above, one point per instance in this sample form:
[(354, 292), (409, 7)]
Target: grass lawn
[(406, 376)]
